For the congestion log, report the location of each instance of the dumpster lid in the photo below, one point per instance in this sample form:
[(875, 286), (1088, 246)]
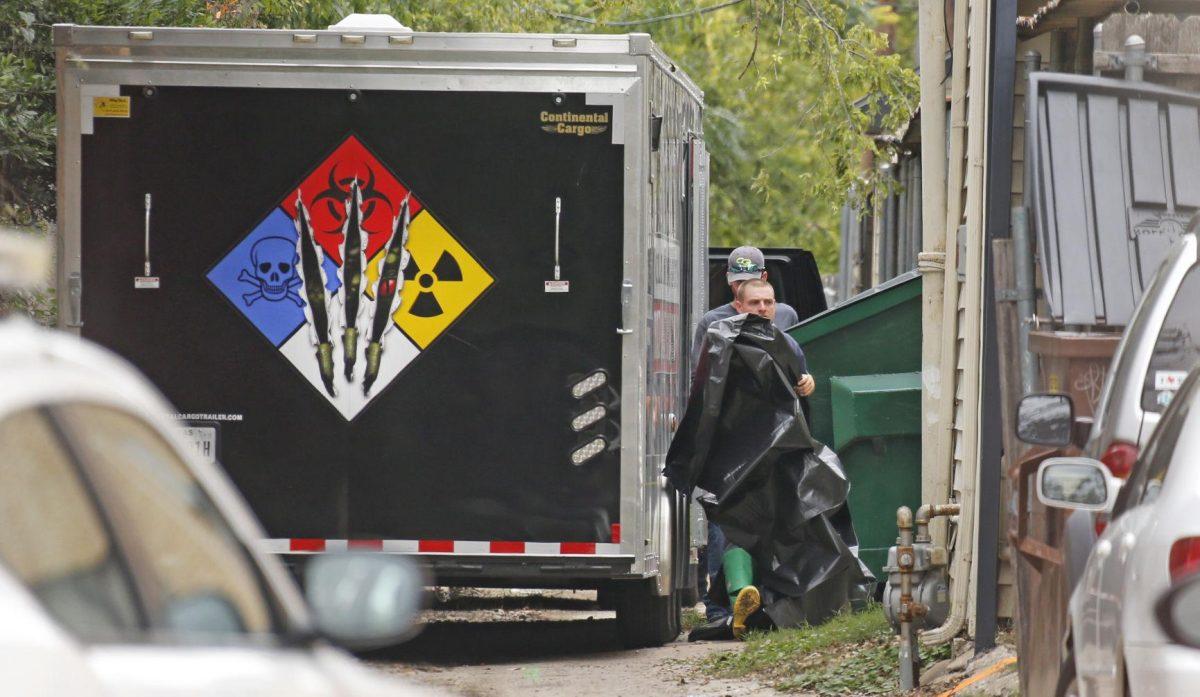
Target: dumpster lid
[(1111, 183), (866, 304)]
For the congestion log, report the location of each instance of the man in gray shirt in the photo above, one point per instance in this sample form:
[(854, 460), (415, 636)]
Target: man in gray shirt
[(745, 263)]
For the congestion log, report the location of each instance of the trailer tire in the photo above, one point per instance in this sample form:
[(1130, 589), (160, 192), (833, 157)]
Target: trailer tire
[(604, 598), (645, 618), (690, 594)]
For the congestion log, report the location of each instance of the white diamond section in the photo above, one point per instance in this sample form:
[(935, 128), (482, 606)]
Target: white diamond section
[(398, 352)]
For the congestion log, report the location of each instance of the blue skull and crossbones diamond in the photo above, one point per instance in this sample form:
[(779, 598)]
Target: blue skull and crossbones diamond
[(273, 271)]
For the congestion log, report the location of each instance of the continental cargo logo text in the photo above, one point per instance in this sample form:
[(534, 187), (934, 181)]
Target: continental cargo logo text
[(571, 124)]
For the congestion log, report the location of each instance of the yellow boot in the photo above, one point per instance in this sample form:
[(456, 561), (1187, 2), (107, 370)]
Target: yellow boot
[(747, 603)]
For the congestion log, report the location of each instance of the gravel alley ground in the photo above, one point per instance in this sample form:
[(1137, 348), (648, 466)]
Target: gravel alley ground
[(483, 642)]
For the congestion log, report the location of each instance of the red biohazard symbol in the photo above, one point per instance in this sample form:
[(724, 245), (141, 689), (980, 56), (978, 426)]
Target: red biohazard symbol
[(327, 187)]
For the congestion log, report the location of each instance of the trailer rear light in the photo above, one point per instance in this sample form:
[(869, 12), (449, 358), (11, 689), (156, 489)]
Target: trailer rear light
[(1185, 558), (589, 384), (1119, 459), (589, 417), (589, 450)]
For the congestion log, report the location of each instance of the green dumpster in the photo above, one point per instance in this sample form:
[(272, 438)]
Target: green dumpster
[(865, 355)]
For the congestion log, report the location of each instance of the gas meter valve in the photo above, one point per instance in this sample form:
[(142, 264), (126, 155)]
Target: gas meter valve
[(926, 563)]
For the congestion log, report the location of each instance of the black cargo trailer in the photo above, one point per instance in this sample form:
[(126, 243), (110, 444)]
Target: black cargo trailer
[(419, 293)]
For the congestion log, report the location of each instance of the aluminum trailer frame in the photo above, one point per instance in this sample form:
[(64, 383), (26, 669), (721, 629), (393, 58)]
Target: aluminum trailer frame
[(656, 113)]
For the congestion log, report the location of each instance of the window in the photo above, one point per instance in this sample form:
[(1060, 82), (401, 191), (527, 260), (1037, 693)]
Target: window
[(1176, 349), (53, 539), (197, 580), (1146, 481)]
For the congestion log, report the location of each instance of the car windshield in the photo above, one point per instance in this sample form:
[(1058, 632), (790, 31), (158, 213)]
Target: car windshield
[(54, 539), (196, 579)]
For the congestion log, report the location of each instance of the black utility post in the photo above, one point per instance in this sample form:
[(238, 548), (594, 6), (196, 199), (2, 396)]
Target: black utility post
[(1003, 66)]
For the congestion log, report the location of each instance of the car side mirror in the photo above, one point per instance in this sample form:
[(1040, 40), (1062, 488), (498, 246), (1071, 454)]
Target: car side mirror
[(1076, 483), (203, 613), (1045, 419), (364, 600), (1178, 613)]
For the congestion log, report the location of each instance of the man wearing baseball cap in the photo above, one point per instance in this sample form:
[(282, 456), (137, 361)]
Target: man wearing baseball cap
[(745, 263)]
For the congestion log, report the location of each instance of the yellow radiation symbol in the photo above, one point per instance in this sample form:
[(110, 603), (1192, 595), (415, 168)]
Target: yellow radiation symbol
[(440, 282)]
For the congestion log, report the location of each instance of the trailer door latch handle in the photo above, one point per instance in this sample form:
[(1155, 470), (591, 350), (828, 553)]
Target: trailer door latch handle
[(626, 306), (148, 281), (75, 298)]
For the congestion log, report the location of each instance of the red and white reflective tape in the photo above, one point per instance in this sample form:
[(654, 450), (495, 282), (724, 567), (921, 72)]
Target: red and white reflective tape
[(301, 545)]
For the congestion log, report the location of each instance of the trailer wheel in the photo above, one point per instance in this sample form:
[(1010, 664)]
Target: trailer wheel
[(644, 618), (604, 598), (690, 594)]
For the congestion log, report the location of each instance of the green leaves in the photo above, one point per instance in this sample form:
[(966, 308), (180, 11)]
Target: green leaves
[(796, 93), (796, 90), (27, 119)]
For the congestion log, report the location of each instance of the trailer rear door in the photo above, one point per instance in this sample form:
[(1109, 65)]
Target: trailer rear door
[(465, 433)]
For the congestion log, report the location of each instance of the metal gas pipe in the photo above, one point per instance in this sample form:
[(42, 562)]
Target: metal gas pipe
[(910, 611)]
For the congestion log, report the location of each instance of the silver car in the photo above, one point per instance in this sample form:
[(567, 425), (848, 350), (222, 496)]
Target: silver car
[(1149, 365), (127, 563), (1154, 540), (1151, 361)]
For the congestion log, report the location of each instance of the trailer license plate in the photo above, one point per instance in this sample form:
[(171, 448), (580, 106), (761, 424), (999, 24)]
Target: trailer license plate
[(204, 438)]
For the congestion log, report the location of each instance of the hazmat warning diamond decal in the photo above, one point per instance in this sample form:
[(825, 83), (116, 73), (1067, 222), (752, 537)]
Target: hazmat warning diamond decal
[(350, 277)]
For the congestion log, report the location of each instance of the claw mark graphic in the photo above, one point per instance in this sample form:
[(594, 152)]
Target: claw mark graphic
[(353, 263), (388, 292), (317, 312)]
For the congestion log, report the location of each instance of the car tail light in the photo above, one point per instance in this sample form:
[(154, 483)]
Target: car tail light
[(1185, 558), (1119, 459)]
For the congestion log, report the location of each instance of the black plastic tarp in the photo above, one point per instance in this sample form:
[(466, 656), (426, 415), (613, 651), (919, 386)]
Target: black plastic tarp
[(773, 489)]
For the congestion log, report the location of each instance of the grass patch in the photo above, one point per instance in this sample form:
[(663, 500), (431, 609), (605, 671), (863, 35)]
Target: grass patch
[(853, 653), (690, 618)]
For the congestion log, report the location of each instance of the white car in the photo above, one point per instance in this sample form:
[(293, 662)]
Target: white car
[(127, 563), (1152, 541)]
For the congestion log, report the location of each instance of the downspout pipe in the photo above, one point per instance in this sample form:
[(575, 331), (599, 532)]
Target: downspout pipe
[(1023, 260), (931, 259), (936, 480)]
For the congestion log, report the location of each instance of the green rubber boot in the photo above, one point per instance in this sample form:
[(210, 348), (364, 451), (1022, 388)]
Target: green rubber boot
[(744, 597)]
